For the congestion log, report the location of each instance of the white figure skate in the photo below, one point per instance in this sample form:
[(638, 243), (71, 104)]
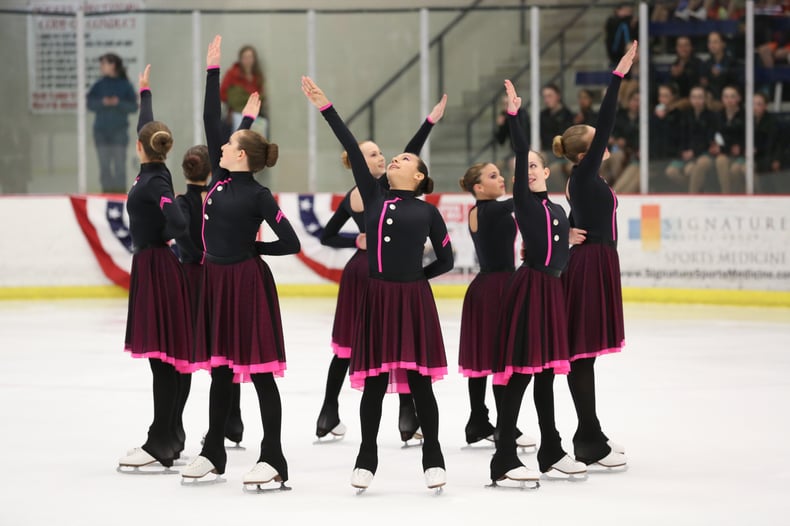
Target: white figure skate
[(136, 459), (260, 474), (361, 479), (567, 469), (525, 477), (196, 470), (435, 479)]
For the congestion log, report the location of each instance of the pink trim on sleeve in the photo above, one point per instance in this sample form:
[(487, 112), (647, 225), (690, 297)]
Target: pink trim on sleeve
[(513, 114), (621, 75), (446, 240), (143, 90), (163, 201), (280, 216), (253, 117), (325, 106), (212, 67), (429, 119)]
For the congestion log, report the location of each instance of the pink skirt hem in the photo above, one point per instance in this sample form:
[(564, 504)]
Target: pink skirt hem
[(358, 377), (182, 366), (559, 366), (341, 351), (602, 352), (471, 373)]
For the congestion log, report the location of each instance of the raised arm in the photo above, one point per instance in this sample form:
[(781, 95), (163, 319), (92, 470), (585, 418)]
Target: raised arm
[(287, 241), (520, 145), (440, 240), (368, 187), (212, 107), (146, 103), (331, 236), (250, 111), (591, 163), (418, 141)]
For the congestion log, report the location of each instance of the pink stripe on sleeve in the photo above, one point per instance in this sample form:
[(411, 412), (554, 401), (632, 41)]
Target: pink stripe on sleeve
[(253, 117), (621, 75), (212, 67), (280, 216), (446, 240), (163, 201), (143, 90), (429, 119), (325, 106)]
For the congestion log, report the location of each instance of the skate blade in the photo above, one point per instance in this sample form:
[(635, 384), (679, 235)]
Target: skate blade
[(600, 469), (557, 475), (438, 490), (182, 461), (520, 485), (528, 449), (257, 488), (328, 439), (235, 447), (412, 443), (194, 482), (154, 468), (359, 491)]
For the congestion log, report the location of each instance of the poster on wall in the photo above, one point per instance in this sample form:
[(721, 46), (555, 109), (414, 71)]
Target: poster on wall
[(52, 47), (731, 243)]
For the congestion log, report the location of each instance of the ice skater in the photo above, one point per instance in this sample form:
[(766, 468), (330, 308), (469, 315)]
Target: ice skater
[(196, 166), (592, 281), (493, 233), (158, 325), (239, 329), (353, 282), (398, 339), (533, 332)]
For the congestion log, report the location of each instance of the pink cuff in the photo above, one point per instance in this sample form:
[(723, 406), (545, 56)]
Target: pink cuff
[(621, 75), (429, 119), (513, 114), (356, 242), (253, 117), (325, 106), (144, 90), (212, 67)]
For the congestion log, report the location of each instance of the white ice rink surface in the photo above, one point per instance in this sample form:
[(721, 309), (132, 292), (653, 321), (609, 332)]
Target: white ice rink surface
[(699, 399)]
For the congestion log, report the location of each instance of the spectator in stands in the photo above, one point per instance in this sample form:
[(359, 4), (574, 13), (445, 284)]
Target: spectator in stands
[(691, 10), (112, 98), (554, 120), (729, 142), (621, 169), (621, 29), (685, 71), (720, 69), (244, 78), (586, 114), (696, 129), (664, 126), (767, 147), (777, 49)]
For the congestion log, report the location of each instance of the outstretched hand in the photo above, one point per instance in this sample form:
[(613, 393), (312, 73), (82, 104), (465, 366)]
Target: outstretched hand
[(253, 106), (628, 59), (143, 80), (314, 93), (214, 52), (513, 100), (438, 111)]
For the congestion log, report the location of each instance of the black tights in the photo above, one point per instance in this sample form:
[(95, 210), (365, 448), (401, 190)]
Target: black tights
[(589, 442), (370, 418), (338, 369), (220, 400), (162, 440)]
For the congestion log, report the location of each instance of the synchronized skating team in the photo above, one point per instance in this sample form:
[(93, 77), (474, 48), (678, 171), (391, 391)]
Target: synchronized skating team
[(217, 308)]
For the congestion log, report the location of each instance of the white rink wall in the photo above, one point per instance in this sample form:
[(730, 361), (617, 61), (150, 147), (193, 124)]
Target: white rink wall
[(719, 244)]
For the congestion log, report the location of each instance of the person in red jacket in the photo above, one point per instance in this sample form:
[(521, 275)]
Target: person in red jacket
[(244, 78)]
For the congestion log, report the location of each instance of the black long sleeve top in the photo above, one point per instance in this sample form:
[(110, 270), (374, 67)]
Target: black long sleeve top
[(543, 225), (236, 204), (593, 202), (396, 221), (331, 235), (154, 216), (767, 144), (733, 130), (495, 235), (696, 131)]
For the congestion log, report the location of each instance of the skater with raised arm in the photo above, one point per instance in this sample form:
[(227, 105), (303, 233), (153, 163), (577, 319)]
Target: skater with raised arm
[(158, 324), (592, 281), (239, 330), (353, 283), (533, 331), (398, 340)]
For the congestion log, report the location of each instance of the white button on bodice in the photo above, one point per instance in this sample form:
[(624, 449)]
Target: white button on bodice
[(392, 207), (208, 201), (205, 216), (389, 221), (556, 222), (387, 239), (556, 237)]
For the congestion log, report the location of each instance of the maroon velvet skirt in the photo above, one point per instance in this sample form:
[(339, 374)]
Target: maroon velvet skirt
[(594, 301), (159, 320), (533, 332), (397, 330), (353, 282), (238, 323), (480, 323)]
